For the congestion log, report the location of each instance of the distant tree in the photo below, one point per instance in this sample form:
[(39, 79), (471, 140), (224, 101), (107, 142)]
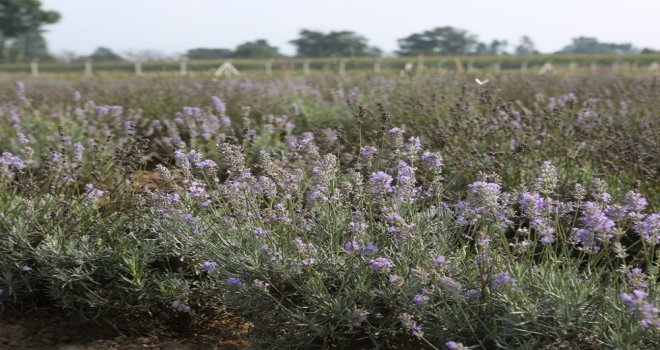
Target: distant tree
[(256, 49), (526, 47), (22, 21), (649, 50), (592, 45), (104, 54), (208, 54), (441, 40), (337, 43)]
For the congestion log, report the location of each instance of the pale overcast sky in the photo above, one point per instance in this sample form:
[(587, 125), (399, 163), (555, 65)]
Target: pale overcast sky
[(173, 26)]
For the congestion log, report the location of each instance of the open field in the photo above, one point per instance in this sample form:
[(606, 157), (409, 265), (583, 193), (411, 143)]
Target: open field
[(416, 212)]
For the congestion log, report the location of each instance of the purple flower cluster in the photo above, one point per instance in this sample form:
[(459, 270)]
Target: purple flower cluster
[(646, 312), (380, 183), (433, 161), (219, 106), (113, 111), (364, 249), (381, 264), (405, 191), (368, 151), (501, 280), (234, 282), (179, 306), (209, 266), (421, 298), (649, 229), (598, 227), (452, 345)]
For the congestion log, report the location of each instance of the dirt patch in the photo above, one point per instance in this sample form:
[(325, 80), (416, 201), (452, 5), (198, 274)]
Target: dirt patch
[(63, 332)]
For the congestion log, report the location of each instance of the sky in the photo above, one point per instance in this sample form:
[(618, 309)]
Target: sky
[(174, 26)]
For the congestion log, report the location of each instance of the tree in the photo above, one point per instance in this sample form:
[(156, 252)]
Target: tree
[(584, 44), (20, 22), (256, 49), (337, 43), (441, 40), (104, 54), (208, 54), (526, 46)]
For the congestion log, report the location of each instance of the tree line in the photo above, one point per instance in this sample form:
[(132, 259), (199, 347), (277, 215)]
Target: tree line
[(22, 22)]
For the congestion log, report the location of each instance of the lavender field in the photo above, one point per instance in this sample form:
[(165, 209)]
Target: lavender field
[(425, 212)]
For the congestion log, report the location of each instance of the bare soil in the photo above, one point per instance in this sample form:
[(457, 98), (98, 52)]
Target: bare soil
[(61, 332)]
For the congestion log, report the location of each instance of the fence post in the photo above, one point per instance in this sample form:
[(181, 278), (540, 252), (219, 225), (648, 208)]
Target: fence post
[(306, 67), (34, 68), (88, 68), (377, 66), (183, 68), (342, 68), (470, 67), (420, 64), (269, 67), (138, 68), (523, 67), (497, 67)]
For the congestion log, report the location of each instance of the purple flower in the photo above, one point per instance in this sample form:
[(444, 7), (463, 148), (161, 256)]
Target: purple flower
[(531, 204), (351, 246), (381, 264), (381, 183), (206, 164), (417, 331), (649, 228), (635, 201), (395, 281), (234, 282), (472, 293), (405, 189), (413, 145), (420, 299), (369, 249), (218, 105), (259, 231), (209, 266), (439, 261), (172, 198), (452, 345), (597, 222), (368, 151), (648, 313), (307, 262), (432, 160), (502, 279), (179, 306)]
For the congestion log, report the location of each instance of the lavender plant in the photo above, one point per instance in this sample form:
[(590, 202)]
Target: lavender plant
[(444, 232)]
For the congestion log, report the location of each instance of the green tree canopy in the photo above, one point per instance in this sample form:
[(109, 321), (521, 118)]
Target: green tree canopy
[(104, 54), (337, 43), (526, 47), (438, 41), (256, 49), (208, 54), (21, 25), (585, 44), (19, 17)]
